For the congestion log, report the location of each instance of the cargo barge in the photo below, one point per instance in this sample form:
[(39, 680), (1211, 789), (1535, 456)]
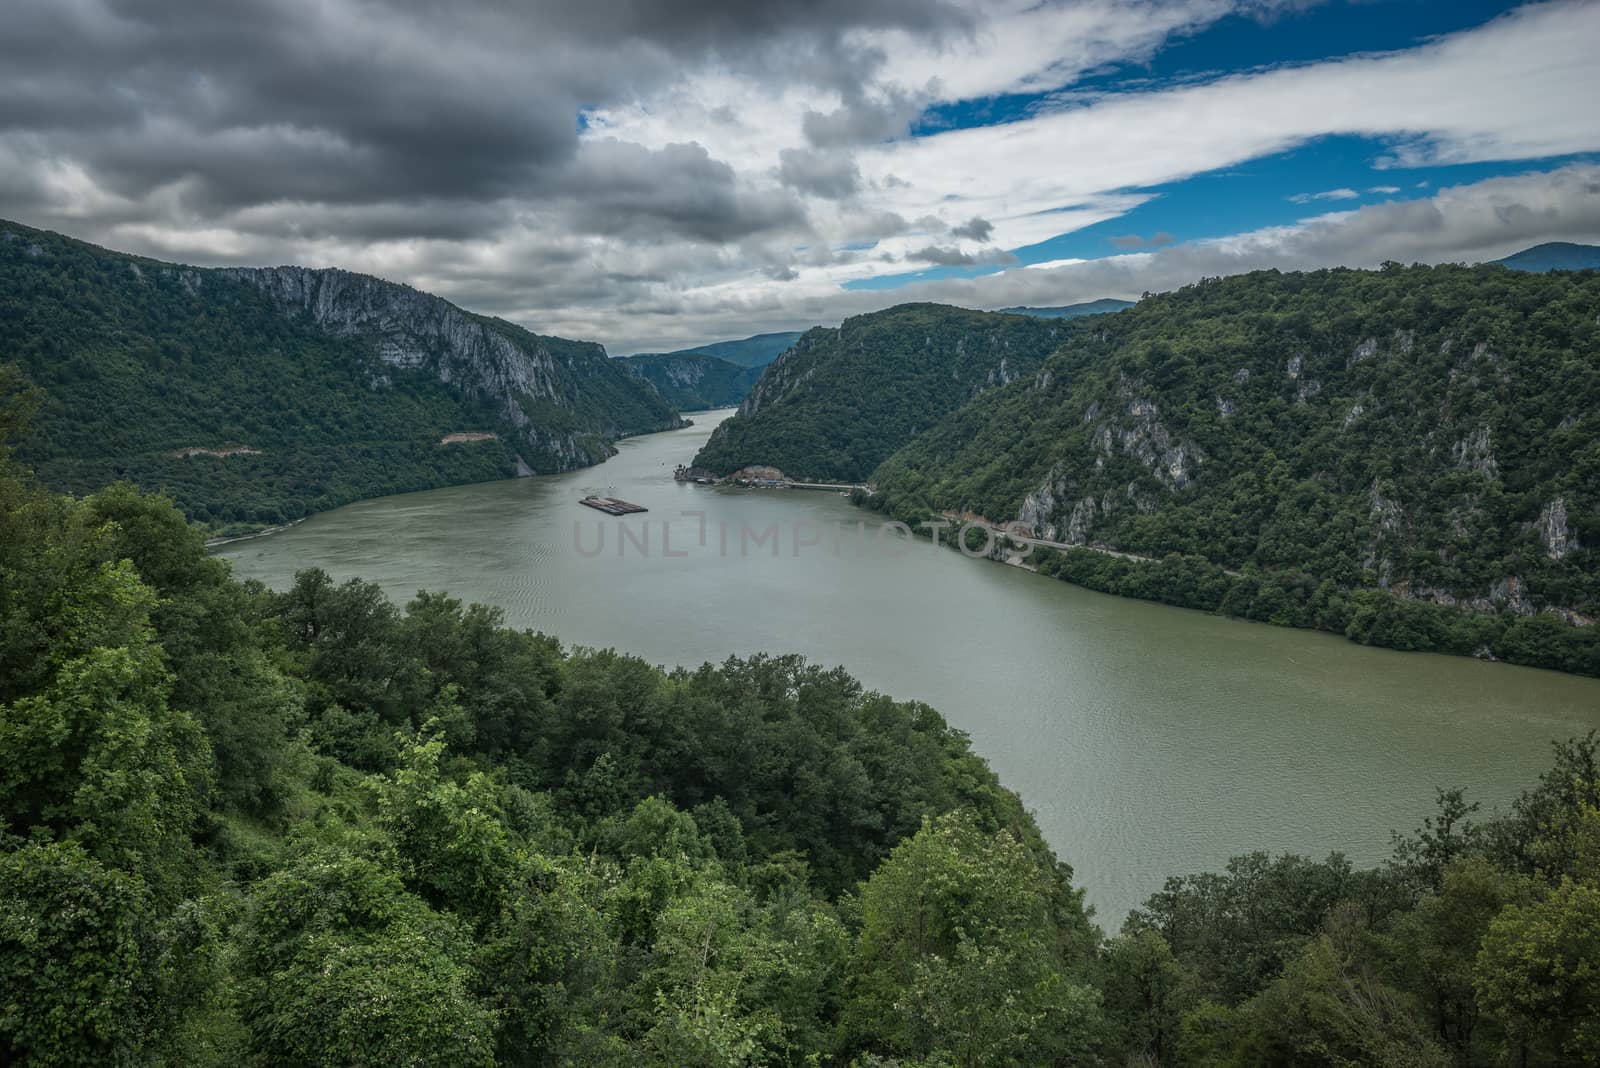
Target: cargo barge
[(613, 506)]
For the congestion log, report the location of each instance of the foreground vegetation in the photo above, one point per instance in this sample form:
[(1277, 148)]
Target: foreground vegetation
[(239, 826)]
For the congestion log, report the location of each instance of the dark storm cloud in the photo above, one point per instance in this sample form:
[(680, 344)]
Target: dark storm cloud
[(949, 256), (227, 105), (860, 121), (623, 189), (723, 23), (974, 229), (824, 174)]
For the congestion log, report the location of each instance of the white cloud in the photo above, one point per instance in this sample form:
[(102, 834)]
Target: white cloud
[(1467, 223), (1327, 194)]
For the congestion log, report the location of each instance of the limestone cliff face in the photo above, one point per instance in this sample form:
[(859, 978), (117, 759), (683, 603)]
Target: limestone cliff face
[(1127, 425), (563, 400)]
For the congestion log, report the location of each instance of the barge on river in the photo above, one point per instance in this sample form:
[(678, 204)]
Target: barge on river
[(613, 506)]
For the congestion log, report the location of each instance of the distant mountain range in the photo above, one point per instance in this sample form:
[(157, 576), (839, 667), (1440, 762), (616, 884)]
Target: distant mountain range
[(1554, 256), (1072, 311), (259, 395), (716, 375), (757, 351), (694, 381)]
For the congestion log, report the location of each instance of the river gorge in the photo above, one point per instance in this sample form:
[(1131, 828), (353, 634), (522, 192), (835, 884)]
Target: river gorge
[(1149, 741)]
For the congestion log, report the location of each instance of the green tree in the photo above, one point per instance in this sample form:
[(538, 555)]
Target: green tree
[(1538, 975), (338, 964), (78, 978), (960, 955)]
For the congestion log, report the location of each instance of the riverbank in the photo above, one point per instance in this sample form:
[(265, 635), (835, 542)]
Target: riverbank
[(1367, 616), (229, 539)]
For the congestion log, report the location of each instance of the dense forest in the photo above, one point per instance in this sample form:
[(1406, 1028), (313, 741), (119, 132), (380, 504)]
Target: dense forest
[(694, 382), (311, 828), (842, 400), (1428, 432), (305, 389)]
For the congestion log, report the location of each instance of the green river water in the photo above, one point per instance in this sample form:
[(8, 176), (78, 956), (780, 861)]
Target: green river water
[(1148, 740)]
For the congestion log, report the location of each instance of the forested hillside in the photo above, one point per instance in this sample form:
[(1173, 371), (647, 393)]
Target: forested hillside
[(694, 382), (841, 400), (260, 395), (1429, 432), (240, 827)]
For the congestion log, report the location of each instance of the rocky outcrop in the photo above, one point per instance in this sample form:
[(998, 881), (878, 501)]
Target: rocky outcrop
[(1388, 520), (1554, 534), (1475, 452), (1139, 433), (511, 371), (1039, 507)]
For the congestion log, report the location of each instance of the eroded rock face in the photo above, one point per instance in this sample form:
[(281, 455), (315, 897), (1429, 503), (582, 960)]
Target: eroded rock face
[(1554, 534), (1128, 425), (1475, 452), (1388, 520), (1039, 507), (415, 331), (1141, 435)]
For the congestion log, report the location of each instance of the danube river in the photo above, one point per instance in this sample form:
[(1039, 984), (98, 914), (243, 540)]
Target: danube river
[(1148, 740)]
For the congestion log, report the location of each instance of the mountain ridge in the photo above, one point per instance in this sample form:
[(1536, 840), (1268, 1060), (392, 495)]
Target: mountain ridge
[(1553, 256), (1426, 432), (819, 410), (321, 385), (757, 350)]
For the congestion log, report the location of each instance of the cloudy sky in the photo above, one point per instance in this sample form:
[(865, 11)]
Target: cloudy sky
[(657, 173)]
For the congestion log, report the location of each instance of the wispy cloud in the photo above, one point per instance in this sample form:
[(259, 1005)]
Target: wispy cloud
[(1327, 194)]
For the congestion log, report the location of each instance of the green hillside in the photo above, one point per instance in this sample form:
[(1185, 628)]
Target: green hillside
[(841, 400), (756, 351), (1429, 432), (320, 387)]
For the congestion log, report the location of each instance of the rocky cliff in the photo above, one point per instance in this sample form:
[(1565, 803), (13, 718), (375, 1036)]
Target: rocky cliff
[(257, 395), (1429, 432), (519, 375)]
